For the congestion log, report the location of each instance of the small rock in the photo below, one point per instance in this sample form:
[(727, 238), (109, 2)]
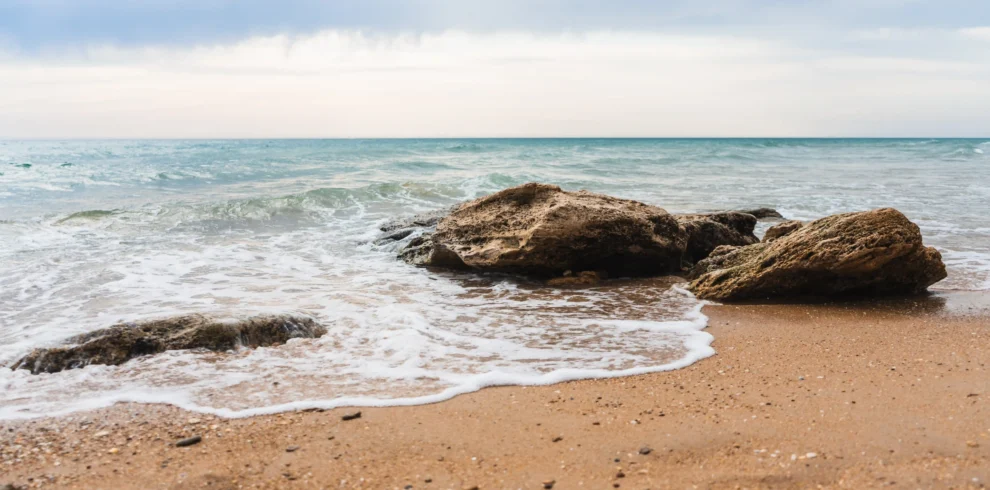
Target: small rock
[(102, 433), (291, 449), (194, 421), (620, 475), (351, 416), (189, 441), (558, 439), (645, 450), (548, 484), (972, 444), (113, 450), (811, 455)]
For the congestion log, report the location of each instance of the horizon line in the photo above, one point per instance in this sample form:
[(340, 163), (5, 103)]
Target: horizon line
[(399, 138)]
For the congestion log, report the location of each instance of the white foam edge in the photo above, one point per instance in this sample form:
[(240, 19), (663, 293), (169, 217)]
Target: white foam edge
[(697, 342)]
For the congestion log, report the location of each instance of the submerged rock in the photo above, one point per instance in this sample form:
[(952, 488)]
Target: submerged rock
[(397, 229), (872, 253), (119, 343), (583, 278), (540, 229), (781, 229), (708, 231)]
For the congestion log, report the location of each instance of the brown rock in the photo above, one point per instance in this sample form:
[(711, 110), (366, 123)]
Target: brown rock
[(781, 229), (708, 231), (422, 250), (871, 253), (120, 343), (540, 229)]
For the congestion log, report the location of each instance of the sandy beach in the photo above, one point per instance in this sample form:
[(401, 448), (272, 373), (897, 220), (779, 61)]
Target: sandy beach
[(891, 393)]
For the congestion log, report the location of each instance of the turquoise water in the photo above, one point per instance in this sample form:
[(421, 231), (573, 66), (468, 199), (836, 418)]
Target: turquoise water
[(95, 232)]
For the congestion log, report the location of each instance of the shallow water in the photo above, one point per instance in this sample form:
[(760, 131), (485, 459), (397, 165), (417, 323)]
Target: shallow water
[(92, 233)]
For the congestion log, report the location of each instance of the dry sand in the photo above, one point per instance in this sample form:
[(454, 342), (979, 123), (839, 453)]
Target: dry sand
[(842, 396)]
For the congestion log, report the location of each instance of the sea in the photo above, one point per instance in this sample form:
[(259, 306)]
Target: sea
[(94, 233)]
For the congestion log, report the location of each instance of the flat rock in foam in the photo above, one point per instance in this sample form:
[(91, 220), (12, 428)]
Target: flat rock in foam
[(120, 343)]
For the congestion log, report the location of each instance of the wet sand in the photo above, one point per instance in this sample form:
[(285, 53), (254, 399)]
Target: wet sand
[(856, 395)]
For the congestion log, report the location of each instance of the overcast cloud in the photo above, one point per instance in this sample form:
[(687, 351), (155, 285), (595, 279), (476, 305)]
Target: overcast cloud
[(100, 68)]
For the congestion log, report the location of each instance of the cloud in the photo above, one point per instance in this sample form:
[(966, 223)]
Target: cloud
[(352, 83), (979, 33)]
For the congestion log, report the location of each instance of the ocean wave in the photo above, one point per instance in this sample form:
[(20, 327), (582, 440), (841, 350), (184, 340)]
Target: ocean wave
[(420, 165), (314, 206), (93, 214), (465, 148), (251, 227)]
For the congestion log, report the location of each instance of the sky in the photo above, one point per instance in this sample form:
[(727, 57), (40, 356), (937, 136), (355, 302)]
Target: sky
[(507, 68)]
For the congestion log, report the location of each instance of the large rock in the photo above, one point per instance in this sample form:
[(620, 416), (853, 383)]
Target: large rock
[(872, 253), (708, 231), (120, 343), (540, 229)]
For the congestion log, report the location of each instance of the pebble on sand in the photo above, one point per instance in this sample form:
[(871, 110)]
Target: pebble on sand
[(351, 416), (189, 441), (549, 484), (291, 449), (645, 450)]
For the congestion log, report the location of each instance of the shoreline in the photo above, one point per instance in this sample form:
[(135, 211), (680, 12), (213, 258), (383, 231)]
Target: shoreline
[(842, 395)]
